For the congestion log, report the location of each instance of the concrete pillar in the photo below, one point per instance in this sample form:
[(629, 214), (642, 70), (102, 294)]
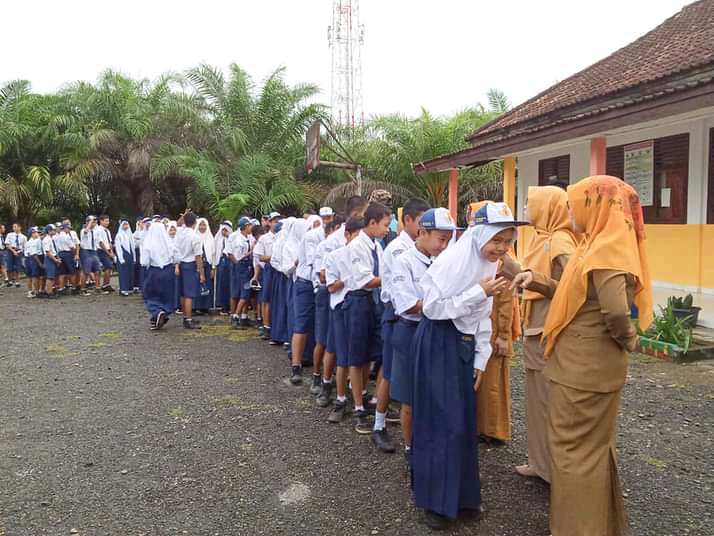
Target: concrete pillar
[(509, 183), (598, 156), (454, 193)]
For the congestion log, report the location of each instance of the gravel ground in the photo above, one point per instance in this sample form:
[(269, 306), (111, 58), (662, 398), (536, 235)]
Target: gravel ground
[(109, 429)]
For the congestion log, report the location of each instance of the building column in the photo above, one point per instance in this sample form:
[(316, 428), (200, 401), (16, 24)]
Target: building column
[(598, 156), (509, 183), (454, 193)]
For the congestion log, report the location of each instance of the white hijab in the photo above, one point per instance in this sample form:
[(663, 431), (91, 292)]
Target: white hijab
[(279, 244), (124, 240), (157, 248), (206, 239), (292, 244), (219, 244)]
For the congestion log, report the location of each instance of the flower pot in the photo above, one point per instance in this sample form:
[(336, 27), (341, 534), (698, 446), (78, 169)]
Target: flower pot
[(692, 315)]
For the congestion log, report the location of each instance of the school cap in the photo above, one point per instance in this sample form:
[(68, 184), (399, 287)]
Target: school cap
[(326, 211), (146, 220), (497, 214), (254, 222), (274, 215), (58, 224), (49, 227), (244, 221), (34, 229), (227, 223), (437, 219), (63, 225)]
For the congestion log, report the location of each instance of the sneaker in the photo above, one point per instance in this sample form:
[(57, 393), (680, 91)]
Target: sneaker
[(137, 290), (266, 333), (316, 386), (52, 296), (274, 343), (189, 323), (86, 293), (108, 288), (161, 320), (408, 460), (382, 441), (30, 294), (17, 284), (76, 291), (362, 425), (370, 405), (435, 521), (296, 377), (325, 397), (392, 416), (8, 284), (243, 323), (125, 293), (152, 324), (337, 413)]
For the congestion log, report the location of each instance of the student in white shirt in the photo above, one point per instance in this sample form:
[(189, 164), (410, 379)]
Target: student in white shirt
[(52, 260), (105, 252), (124, 249), (338, 278), (4, 252), (138, 236), (204, 302), (263, 253), (67, 250), (241, 257), (15, 244), (222, 268), (88, 243), (158, 256), (189, 248), (278, 299), (34, 263)]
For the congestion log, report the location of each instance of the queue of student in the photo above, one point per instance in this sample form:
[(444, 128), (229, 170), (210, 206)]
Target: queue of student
[(431, 314)]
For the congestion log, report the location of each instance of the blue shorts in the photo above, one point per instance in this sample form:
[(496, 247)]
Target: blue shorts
[(402, 373), (105, 260), (362, 329), (189, 282), (388, 320), (15, 263), (32, 268), (339, 330), (90, 261), (322, 316), (304, 307), (51, 268), (67, 262), (3, 257), (240, 281)]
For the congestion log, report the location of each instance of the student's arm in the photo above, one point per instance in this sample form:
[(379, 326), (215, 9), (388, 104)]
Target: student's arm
[(228, 251), (611, 289), (471, 302), (482, 347), (404, 291), (332, 276)]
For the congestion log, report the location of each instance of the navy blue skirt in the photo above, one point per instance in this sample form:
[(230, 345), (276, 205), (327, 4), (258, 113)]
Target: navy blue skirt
[(160, 290), (322, 316), (279, 308), (445, 474), (138, 270), (402, 373), (303, 307), (267, 283), (388, 320), (223, 283), (204, 303), (126, 272)]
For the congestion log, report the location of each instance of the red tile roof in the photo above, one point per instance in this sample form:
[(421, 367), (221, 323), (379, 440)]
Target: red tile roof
[(681, 44)]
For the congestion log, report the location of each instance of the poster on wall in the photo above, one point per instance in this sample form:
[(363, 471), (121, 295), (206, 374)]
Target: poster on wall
[(639, 170)]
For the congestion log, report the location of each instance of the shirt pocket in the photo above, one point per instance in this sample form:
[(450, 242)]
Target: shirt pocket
[(466, 348)]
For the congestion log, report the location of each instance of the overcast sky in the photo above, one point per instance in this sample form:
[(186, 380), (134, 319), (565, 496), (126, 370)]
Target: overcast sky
[(443, 55)]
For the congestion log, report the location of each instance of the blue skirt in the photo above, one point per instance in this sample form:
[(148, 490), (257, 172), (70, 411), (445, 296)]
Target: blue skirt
[(322, 316), (160, 287), (266, 294), (204, 303), (388, 320), (223, 283), (445, 473), (126, 272), (402, 370), (279, 308), (138, 269)]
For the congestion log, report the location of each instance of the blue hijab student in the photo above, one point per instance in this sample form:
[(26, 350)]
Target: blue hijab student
[(125, 255), (158, 256), (451, 348)]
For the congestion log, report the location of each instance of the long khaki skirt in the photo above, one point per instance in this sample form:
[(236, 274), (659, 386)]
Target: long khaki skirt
[(493, 404), (585, 494)]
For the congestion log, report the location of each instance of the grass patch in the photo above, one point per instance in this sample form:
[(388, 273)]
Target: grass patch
[(177, 412), (655, 462), (96, 345), (231, 380), (55, 349), (234, 401), (221, 330), (111, 335), (74, 338)]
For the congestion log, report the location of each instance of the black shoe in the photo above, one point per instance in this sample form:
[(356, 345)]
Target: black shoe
[(362, 425), (325, 396), (392, 416), (316, 386), (152, 324), (52, 296), (382, 441), (243, 323), (189, 323), (274, 343), (86, 293), (369, 406), (338, 412), (408, 460), (296, 377), (108, 288), (75, 292), (472, 514), (161, 319), (436, 521), (8, 284)]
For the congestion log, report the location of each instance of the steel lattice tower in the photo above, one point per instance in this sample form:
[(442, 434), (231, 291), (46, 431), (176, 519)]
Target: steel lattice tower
[(346, 37)]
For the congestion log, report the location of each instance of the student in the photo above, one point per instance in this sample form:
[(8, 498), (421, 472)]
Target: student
[(411, 214), (278, 299), (240, 255), (338, 278), (204, 302), (588, 336), (363, 306), (34, 260), (456, 328), (88, 240), (138, 236), (74, 280), (189, 257), (158, 256), (105, 252), (53, 262), (172, 229), (124, 248), (222, 267), (548, 251), (4, 252), (304, 300), (256, 283), (263, 252), (67, 251), (15, 244), (385, 197)]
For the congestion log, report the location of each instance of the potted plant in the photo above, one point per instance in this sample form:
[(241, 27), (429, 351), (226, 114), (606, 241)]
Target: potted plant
[(684, 308)]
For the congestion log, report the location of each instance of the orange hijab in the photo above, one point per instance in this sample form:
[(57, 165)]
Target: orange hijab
[(548, 212), (609, 212)]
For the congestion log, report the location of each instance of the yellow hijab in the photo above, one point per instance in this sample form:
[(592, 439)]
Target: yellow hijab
[(548, 212), (609, 212)]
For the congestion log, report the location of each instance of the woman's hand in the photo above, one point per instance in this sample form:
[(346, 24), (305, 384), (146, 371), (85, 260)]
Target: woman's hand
[(478, 375), (494, 286), (523, 280), (501, 347)]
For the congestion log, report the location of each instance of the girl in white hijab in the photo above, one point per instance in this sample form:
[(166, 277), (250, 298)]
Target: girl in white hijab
[(158, 256), (279, 299), (126, 257), (205, 301), (222, 268)]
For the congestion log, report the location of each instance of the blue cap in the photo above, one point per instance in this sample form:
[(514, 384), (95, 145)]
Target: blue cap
[(497, 214), (278, 226), (437, 219), (243, 222), (49, 227), (63, 226), (34, 229)]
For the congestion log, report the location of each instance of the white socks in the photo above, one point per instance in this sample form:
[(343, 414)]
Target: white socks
[(380, 420)]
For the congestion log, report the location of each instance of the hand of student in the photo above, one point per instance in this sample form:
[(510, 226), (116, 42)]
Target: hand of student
[(493, 287), (177, 270), (501, 347), (202, 278), (57, 261), (478, 374), (522, 280)]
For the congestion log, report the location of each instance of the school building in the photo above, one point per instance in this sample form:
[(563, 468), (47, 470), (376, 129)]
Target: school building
[(644, 114)]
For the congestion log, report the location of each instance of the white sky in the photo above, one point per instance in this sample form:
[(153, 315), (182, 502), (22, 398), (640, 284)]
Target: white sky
[(440, 54)]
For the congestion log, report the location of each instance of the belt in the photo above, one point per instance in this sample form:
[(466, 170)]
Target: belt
[(407, 322), (303, 280), (361, 293)]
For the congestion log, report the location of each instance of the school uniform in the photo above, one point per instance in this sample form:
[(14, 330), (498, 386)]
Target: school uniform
[(158, 254), (222, 264), (66, 248), (264, 248), (138, 270), (278, 302), (322, 297), (338, 267), (88, 243), (363, 307), (205, 299), (394, 250), (304, 303), (406, 291), (124, 249), (238, 245), (188, 247), (3, 252), (49, 247), (16, 241), (104, 238), (34, 258)]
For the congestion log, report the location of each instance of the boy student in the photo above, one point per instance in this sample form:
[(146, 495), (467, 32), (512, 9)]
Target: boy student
[(189, 259), (263, 253), (53, 262), (88, 243), (77, 263), (34, 261), (435, 231), (411, 214), (238, 251), (105, 252), (338, 278), (256, 282), (67, 250), (15, 243), (4, 252), (364, 307)]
